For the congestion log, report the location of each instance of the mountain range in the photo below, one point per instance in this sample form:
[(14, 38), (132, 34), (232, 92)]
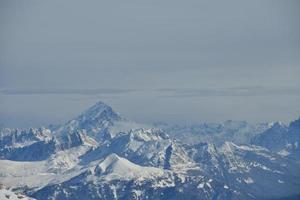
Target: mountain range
[(102, 155)]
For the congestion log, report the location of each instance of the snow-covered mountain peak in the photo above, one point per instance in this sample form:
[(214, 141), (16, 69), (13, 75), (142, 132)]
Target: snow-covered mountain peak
[(96, 121), (109, 163), (97, 113), (118, 166)]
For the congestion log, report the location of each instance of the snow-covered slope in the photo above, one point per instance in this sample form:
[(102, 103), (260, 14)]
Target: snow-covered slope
[(115, 167), (7, 194), (118, 178), (247, 168)]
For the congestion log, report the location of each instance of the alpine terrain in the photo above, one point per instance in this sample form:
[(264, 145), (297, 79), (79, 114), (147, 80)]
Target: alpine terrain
[(102, 155)]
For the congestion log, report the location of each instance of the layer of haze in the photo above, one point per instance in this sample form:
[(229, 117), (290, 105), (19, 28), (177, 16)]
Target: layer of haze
[(158, 60)]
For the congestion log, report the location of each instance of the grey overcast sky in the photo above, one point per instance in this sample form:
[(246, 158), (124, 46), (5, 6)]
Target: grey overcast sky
[(175, 61)]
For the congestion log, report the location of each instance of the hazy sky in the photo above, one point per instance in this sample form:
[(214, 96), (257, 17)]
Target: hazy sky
[(176, 61)]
